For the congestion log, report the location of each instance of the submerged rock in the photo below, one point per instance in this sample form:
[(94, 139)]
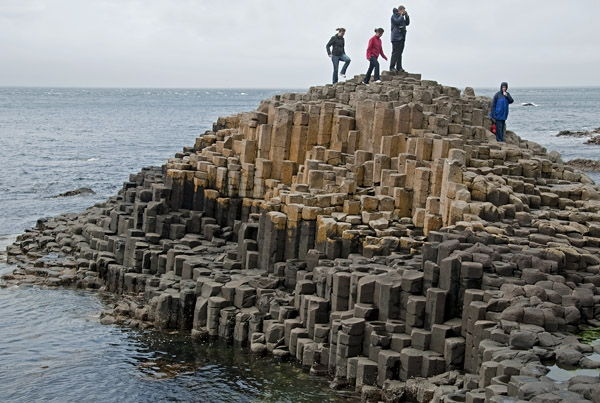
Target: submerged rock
[(585, 164), (594, 140), (76, 192), (579, 133), (593, 134)]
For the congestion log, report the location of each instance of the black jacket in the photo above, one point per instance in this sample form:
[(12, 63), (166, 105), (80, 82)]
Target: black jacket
[(337, 43), (399, 24)]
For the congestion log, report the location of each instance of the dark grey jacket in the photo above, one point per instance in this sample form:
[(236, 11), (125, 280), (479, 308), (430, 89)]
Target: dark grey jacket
[(399, 24), (335, 46)]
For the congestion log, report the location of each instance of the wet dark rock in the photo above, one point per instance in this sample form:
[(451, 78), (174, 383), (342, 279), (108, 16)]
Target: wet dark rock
[(568, 356), (522, 340), (585, 164), (594, 140), (578, 133), (588, 363), (77, 192)]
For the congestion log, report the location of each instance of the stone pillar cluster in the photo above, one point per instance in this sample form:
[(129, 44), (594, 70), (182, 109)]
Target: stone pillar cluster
[(376, 234)]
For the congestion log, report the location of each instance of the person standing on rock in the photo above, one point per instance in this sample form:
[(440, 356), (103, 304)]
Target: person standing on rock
[(374, 50), (400, 20), (499, 111), (335, 50)]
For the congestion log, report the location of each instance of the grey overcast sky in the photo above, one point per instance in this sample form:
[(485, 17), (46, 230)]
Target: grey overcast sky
[(281, 43)]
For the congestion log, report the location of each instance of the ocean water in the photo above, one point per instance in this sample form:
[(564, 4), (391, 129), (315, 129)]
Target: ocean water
[(54, 350), (52, 347), (55, 140)]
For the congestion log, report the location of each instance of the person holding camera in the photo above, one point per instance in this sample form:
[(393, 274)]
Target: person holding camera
[(400, 20), (374, 50), (335, 50), (499, 110)]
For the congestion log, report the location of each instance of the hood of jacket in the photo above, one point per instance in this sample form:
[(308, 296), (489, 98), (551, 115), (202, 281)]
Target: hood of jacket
[(504, 84)]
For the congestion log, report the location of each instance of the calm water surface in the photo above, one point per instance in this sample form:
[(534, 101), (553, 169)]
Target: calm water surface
[(54, 349)]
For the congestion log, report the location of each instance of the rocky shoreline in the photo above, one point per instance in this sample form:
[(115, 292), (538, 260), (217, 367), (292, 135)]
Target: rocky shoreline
[(584, 165), (377, 234), (594, 135)]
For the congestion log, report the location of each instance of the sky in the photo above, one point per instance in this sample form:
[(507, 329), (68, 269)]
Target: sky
[(281, 43)]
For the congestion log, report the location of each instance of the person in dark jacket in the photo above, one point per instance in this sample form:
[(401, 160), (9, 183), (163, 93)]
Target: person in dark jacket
[(400, 20), (499, 111), (335, 50), (374, 50)]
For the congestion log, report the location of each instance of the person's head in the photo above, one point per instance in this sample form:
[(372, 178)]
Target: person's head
[(401, 9), (504, 86), (341, 31), (379, 32)]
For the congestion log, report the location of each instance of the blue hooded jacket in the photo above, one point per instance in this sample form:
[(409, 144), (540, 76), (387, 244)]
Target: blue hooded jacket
[(399, 24), (500, 104)]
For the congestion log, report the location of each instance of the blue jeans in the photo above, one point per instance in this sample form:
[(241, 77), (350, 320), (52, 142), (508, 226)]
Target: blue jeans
[(373, 65), (336, 63), (500, 129)]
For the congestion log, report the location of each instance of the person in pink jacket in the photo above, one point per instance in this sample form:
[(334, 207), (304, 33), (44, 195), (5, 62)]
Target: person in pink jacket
[(374, 50)]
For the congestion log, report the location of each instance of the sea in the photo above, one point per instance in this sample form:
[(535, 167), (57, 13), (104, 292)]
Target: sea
[(52, 140)]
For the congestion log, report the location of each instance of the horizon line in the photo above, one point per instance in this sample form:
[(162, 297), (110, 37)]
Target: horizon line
[(145, 88), (258, 88)]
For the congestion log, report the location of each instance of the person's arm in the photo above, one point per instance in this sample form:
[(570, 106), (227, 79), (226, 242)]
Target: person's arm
[(510, 99), (329, 45), (369, 47), (396, 18), (382, 54), (494, 100), (407, 19)]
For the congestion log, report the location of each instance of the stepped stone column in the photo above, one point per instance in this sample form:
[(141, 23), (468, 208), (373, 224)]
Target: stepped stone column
[(271, 239)]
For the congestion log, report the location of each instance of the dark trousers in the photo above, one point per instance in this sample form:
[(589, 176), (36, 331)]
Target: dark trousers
[(373, 65), (500, 130), (397, 49)]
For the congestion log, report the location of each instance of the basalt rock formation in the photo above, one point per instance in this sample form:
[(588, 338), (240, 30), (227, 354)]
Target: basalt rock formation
[(378, 234)]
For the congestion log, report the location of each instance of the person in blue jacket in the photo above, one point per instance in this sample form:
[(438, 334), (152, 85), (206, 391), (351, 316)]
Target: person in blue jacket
[(400, 20), (499, 112)]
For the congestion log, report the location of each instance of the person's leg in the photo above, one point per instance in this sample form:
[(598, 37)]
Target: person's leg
[(368, 74), (336, 63), (376, 63), (400, 51), (346, 61), (369, 71), (497, 131), (394, 58), (500, 127)]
